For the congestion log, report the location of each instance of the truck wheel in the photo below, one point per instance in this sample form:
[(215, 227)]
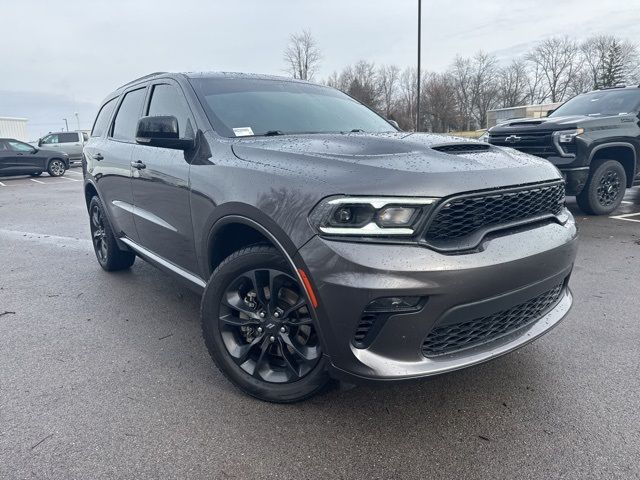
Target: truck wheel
[(56, 168), (258, 327), (605, 188), (109, 255)]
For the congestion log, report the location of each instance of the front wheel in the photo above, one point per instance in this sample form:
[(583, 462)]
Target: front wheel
[(605, 188), (259, 330), (56, 168)]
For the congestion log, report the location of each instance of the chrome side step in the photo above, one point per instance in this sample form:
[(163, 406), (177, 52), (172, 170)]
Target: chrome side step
[(165, 263)]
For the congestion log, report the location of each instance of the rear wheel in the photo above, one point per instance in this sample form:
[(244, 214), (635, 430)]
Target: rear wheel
[(56, 168), (259, 330), (605, 188), (109, 255)]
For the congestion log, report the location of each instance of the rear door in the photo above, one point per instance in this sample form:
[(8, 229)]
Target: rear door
[(70, 143), (111, 161), (161, 189)]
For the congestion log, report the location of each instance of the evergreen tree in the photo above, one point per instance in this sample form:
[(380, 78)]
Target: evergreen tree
[(612, 69)]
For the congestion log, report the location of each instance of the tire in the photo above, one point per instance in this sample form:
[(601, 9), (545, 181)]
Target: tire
[(109, 255), (35, 174), (605, 188), (276, 350), (56, 167)]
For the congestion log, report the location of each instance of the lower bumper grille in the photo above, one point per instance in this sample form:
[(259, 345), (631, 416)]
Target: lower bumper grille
[(451, 338)]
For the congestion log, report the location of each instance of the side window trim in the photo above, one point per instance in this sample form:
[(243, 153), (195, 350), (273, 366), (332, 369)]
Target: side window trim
[(114, 115), (178, 87)]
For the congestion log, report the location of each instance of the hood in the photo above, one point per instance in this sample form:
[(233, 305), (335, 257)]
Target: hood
[(547, 124), (396, 163)]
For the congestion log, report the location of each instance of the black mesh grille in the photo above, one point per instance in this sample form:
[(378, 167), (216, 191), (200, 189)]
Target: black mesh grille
[(464, 216), (462, 148), (451, 338)]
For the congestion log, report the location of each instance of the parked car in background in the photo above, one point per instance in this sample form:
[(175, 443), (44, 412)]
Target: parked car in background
[(324, 241), (594, 139), (19, 158), (70, 143)]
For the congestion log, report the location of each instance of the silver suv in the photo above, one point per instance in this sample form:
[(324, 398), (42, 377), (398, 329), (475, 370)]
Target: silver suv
[(70, 143)]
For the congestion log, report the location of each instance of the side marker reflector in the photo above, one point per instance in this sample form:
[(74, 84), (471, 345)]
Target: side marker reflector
[(308, 288)]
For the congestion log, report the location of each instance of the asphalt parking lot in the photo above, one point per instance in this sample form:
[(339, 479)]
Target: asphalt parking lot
[(106, 376)]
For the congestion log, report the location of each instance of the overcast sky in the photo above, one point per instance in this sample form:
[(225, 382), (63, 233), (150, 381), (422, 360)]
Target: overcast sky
[(62, 57)]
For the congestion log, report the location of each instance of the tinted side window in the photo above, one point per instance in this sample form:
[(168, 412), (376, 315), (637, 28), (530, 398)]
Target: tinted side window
[(124, 125), (168, 100), (71, 137), (19, 146), (100, 125)]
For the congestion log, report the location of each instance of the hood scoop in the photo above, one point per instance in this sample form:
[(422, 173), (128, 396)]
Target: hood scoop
[(462, 148), (534, 122)]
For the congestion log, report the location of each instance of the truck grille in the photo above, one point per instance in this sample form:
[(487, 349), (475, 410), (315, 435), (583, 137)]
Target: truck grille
[(464, 216), (451, 338), (539, 144)]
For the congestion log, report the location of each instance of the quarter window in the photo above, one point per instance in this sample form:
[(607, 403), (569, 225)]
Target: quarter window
[(71, 137), (124, 125), (102, 120), (167, 100)]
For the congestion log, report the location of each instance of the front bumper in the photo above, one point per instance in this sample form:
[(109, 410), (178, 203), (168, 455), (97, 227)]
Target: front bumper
[(511, 268)]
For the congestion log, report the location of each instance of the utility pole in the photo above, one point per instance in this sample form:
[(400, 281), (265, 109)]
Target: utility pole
[(66, 123), (77, 119), (419, 42)]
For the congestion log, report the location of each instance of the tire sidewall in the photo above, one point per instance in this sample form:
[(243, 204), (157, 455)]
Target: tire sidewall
[(229, 270)]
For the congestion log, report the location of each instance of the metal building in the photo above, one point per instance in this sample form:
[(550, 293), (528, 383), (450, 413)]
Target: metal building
[(13, 128), (526, 111)]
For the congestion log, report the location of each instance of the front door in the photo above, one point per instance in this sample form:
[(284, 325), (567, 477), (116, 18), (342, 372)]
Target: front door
[(161, 188), (22, 158)]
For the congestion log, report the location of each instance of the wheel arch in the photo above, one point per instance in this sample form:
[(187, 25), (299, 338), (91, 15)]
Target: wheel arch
[(623, 152)]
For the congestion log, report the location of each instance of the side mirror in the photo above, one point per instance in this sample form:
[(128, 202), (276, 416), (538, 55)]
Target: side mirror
[(39, 142), (161, 131), (394, 123), (549, 112)]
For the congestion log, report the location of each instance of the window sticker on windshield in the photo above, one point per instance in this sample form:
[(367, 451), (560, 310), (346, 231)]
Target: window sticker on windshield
[(243, 131)]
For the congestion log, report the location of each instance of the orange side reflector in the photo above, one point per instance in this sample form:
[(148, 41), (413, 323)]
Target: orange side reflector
[(308, 288)]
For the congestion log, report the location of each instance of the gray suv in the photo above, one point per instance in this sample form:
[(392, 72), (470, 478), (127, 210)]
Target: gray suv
[(70, 143), (325, 242)]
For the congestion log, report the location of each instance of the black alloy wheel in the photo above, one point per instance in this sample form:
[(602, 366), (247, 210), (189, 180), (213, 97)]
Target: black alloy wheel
[(109, 255), (259, 329), (605, 188)]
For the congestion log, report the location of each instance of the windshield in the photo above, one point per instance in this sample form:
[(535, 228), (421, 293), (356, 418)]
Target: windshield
[(603, 103), (240, 107)]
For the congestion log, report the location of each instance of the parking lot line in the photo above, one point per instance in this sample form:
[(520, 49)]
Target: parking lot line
[(2, 184), (71, 179), (37, 181), (74, 173), (626, 217)]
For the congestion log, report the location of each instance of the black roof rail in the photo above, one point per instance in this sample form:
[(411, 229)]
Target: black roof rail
[(144, 77)]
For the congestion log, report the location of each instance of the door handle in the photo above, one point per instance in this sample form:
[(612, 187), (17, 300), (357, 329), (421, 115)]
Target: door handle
[(139, 164), (98, 156)]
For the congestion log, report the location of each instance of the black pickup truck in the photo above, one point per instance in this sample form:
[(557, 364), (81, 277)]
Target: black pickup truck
[(593, 139)]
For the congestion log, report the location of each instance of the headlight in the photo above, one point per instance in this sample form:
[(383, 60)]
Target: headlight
[(370, 216), (567, 136)]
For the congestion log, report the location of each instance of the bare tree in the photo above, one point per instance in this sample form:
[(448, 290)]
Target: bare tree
[(513, 82), (388, 78), (440, 105), (408, 98), (302, 56), (462, 75), (485, 87), (558, 59)]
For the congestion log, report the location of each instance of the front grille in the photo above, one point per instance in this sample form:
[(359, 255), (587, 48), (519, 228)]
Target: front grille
[(539, 144), (459, 148), (463, 216), (452, 338)]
